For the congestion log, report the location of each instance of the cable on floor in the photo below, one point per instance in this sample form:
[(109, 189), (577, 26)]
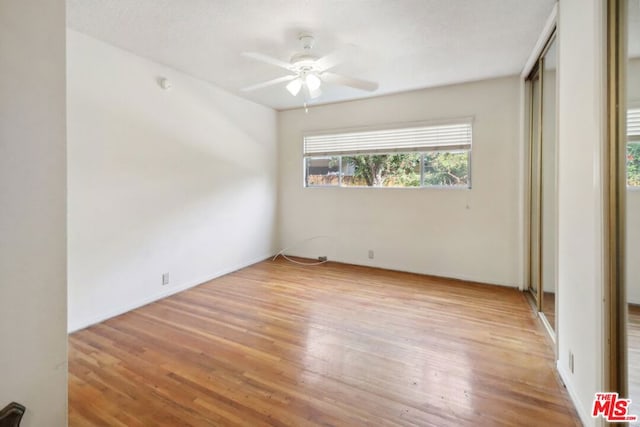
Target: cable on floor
[(281, 253)]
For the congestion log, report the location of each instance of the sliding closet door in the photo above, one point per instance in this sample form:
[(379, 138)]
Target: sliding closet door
[(548, 184), (543, 182), (630, 144), (535, 177)]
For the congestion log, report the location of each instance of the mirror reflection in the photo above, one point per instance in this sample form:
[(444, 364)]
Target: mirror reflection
[(543, 183), (549, 188), (633, 204)]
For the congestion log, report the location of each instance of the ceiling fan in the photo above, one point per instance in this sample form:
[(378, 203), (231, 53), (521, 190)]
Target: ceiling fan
[(308, 72)]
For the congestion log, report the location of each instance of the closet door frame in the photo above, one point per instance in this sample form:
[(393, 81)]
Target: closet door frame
[(535, 189), (535, 184), (615, 328)]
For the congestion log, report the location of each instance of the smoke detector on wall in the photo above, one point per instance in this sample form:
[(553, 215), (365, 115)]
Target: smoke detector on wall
[(164, 83)]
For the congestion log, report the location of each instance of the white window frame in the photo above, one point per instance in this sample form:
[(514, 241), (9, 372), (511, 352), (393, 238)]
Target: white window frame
[(414, 137)]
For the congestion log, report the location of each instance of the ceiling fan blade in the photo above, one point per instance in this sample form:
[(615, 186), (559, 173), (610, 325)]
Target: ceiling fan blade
[(331, 60), (269, 83), (349, 81), (267, 59)]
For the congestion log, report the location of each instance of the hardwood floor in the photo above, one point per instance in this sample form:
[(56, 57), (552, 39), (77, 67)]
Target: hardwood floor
[(335, 345), (633, 342)]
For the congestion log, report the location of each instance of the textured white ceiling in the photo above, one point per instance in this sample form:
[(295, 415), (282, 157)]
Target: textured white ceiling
[(402, 44)]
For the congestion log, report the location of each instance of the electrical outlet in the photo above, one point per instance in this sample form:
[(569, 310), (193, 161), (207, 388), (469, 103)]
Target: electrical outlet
[(370, 253), (165, 279), (571, 361)]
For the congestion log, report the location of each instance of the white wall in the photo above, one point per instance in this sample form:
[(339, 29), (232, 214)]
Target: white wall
[(33, 304), (180, 181), (633, 200), (468, 234), (581, 73)]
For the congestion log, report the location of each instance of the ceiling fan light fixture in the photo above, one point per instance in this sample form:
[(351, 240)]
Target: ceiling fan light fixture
[(312, 81), (306, 72), (314, 93), (294, 86)]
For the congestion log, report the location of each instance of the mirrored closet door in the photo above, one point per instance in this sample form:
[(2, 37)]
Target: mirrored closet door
[(632, 229), (624, 200), (543, 183)]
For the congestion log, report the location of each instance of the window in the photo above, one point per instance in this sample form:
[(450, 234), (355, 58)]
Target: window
[(322, 171), (633, 147), (418, 156)]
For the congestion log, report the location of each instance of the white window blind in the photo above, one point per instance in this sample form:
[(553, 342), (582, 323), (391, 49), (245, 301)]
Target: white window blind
[(633, 124), (420, 138)]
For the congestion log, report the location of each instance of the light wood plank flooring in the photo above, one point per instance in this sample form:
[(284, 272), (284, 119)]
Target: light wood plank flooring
[(277, 344)]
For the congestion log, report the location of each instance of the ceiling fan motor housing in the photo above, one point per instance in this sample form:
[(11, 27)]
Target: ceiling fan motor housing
[(303, 61)]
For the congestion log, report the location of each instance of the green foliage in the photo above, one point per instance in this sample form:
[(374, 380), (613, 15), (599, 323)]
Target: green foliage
[(633, 164), (446, 168), (378, 170), (403, 170)]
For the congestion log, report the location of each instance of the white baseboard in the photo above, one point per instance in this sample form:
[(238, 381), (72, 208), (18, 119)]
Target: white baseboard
[(160, 295), (585, 416), (384, 266)]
